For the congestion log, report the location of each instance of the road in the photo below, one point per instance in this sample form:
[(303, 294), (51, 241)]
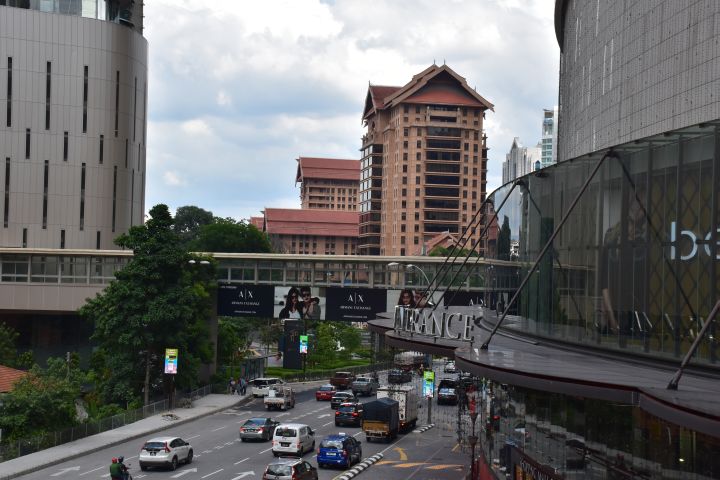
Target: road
[(219, 454)]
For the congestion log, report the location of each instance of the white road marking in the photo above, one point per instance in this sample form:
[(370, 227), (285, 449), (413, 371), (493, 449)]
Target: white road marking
[(229, 443), (130, 458), (282, 415), (359, 433), (219, 428), (241, 461), (326, 415), (90, 471), (219, 447), (328, 423), (213, 473), (194, 436), (266, 450), (184, 472), (207, 451), (65, 470)]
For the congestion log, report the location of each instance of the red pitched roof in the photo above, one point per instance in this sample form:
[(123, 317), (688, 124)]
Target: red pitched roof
[(328, 168), (258, 222), (375, 98), (8, 377), (288, 221)]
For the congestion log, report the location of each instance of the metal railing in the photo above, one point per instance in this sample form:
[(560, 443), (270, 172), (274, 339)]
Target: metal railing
[(25, 446)]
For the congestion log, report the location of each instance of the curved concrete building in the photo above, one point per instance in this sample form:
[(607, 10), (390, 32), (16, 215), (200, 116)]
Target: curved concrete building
[(630, 70), (73, 104)]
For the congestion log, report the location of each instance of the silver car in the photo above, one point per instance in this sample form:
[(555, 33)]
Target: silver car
[(290, 469), (165, 452)]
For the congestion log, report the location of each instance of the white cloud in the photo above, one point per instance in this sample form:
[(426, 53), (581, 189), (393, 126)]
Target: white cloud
[(253, 87), (173, 179)]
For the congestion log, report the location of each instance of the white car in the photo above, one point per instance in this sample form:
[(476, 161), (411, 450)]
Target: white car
[(293, 439), (165, 452), (261, 386)]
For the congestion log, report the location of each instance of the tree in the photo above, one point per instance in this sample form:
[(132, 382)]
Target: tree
[(8, 352), (189, 220), (348, 337), (325, 346), (227, 235), (42, 401), (503, 240), (157, 301)]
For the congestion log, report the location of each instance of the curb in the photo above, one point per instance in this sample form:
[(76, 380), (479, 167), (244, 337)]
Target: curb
[(424, 428), (35, 468), (357, 469)]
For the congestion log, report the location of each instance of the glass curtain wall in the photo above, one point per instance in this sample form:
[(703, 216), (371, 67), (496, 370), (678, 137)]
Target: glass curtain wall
[(635, 267)]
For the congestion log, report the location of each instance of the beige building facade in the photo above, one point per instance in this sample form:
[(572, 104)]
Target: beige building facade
[(424, 161), (328, 183), (73, 98), (312, 232)]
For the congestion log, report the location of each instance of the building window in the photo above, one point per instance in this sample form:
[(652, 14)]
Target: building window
[(416, 240), (114, 198), (404, 168), (417, 180), (405, 144), (85, 99), (7, 192), (404, 204), (466, 147), (406, 132), (402, 252), (65, 146), (419, 132), (97, 240), (48, 77), (417, 215), (417, 203), (102, 145), (418, 157), (24, 238), (417, 192), (62, 238), (402, 228), (404, 192), (405, 157), (419, 144), (9, 92), (117, 101), (82, 197), (27, 143), (45, 194), (417, 227)]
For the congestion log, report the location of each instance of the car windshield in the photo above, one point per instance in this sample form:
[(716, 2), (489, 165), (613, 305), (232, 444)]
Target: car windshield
[(154, 445), (255, 421), (362, 379), (343, 395), (285, 432), (327, 388), (281, 470), (346, 408), (334, 444), (260, 383)]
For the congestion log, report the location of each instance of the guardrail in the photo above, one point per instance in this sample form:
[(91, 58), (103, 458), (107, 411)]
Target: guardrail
[(18, 448)]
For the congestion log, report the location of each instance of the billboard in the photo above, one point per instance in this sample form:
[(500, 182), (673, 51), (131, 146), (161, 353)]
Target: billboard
[(456, 298), (171, 361), (240, 300), (355, 304)]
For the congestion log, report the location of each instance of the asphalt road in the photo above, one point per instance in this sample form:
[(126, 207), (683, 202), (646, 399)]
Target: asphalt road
[(219, 454)]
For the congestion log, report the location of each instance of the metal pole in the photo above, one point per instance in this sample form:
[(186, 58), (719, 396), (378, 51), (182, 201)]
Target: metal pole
[(673, 385)]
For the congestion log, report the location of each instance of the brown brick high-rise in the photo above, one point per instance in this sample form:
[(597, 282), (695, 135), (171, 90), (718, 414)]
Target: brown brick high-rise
[(424, 161)]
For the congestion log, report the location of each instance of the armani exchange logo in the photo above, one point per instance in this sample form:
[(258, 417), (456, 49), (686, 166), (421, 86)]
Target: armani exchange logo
[(356, 298), (246, 297)]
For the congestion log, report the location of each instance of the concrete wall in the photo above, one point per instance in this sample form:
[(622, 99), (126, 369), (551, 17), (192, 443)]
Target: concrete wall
[(629, 70)]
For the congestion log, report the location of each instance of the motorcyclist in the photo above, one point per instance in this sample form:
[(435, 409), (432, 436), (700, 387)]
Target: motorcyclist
[(116, 472), (123, 468)]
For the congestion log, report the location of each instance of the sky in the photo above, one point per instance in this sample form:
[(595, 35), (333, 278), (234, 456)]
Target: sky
[(239, 89)]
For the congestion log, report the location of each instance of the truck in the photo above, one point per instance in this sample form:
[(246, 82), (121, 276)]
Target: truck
[(364, 386), (407, 361), (342, 380), (279, 398), (407, 400), (381, 420)]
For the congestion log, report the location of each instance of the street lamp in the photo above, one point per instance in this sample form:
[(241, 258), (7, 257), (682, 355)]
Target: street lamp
[(408, 267)]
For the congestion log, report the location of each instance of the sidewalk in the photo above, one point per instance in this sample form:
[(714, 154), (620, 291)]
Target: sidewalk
[(203, 406)]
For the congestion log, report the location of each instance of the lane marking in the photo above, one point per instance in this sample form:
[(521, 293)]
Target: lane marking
[(213, 473), (328, 423), (266, 450), (384, 462), (401, 451), (241, 461), (409, 465), (359, 433), (443, 466), (90, 471), (220, 428), (207, 451), (455, 448), (194, 436)]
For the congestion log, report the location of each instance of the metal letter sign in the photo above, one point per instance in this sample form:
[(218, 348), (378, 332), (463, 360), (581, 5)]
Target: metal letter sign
[(303, 343), (171, 359), (428, 383)]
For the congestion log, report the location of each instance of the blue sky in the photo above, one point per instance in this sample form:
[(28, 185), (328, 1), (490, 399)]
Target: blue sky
[(240, 89)]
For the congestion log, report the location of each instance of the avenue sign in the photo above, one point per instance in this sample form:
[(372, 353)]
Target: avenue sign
[(423, 321)]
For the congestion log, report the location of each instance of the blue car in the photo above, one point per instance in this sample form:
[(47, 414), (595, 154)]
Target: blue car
[(339, 450)]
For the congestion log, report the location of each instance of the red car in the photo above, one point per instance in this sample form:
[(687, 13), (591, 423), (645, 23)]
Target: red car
[(326, 392)]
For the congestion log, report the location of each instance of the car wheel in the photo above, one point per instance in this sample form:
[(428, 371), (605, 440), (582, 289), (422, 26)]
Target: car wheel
[(189, 458), (143, 467), (321, 465), (242, 439), (174, 464), (337, 424), (275, 454)]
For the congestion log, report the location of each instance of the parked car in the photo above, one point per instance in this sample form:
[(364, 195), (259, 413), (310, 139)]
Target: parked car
[(450, 367), (325, 392), (447, 383), (399, 376), (259, 428), (339, 450), (364, 386), (447, 395), (286, 468), (341, 397), (280, 398), (261, 386), (165, 452), (342, 380), (349, 414), (293, 439)]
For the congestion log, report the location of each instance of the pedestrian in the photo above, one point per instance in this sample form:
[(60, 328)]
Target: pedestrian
[(243, 385), (233, 386)]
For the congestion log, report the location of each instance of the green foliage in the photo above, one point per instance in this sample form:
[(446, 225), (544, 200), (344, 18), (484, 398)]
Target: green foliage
[(42, 401), (503, 240), (328, 369), (188, 222), (8, 352), (440, 251), (227, 235), (323, 351), (235, 336), (157, 301)]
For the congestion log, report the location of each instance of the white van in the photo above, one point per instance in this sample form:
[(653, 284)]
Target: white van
[(261, 386), (293, 438)]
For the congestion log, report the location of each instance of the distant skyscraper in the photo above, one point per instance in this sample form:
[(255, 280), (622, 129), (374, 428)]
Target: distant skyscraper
[(424, 161), (519, 161), (328, 183), (73, 93), (549, 137)]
